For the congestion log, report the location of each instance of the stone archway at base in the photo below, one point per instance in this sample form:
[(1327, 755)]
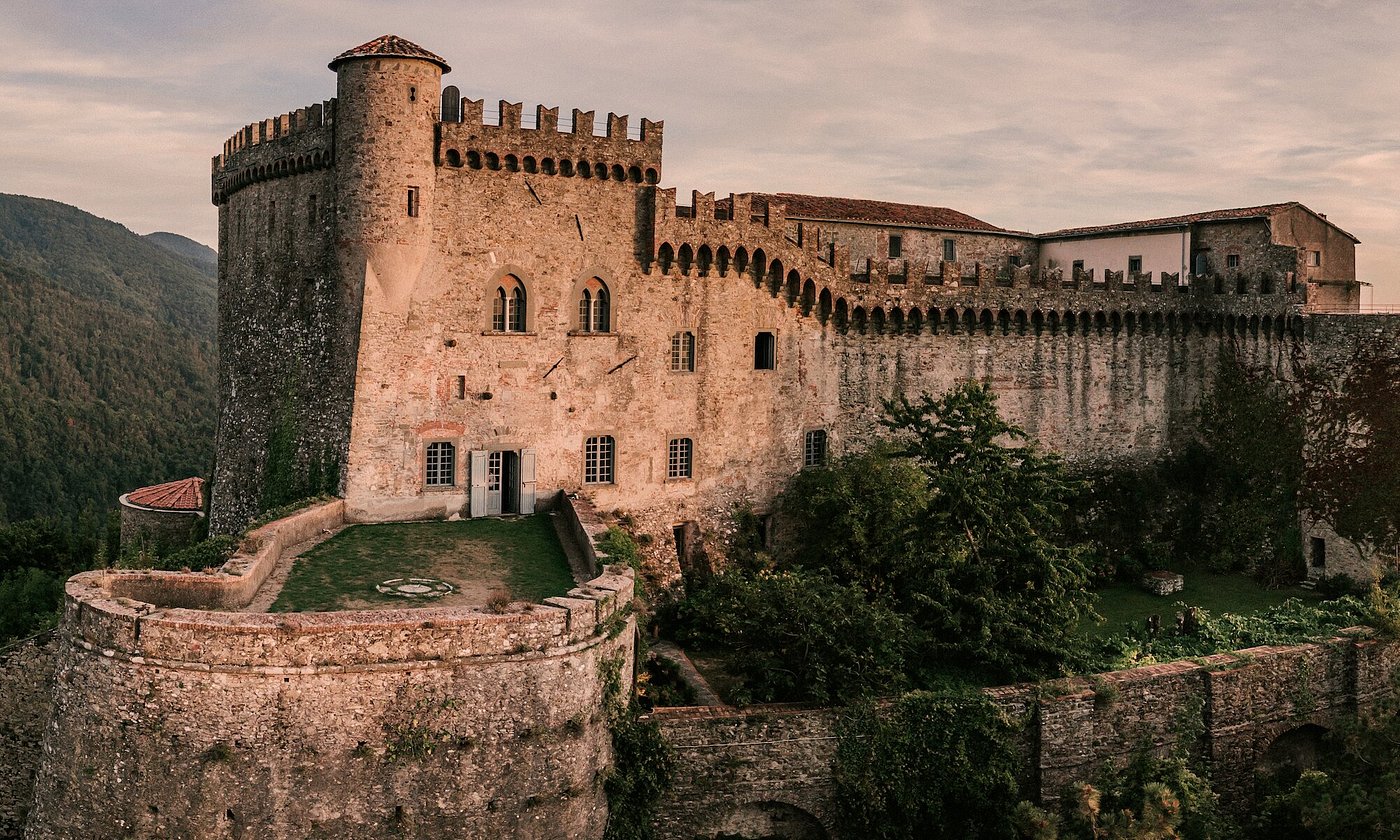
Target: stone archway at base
[(770, 821)]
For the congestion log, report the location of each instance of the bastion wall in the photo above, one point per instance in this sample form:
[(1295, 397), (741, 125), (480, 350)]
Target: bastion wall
[(174, 721), (744, 772)]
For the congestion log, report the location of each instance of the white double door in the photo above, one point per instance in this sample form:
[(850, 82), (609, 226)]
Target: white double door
[(502, 481)]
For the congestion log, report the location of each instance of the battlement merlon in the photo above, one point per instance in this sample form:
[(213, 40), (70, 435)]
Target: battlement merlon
[(296, 141), (472, 132)]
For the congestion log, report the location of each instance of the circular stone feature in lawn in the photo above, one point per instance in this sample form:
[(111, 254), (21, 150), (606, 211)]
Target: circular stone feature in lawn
[(415, 588)]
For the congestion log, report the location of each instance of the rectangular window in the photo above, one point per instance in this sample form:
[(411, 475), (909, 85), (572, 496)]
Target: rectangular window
[(764, 351), (1134, 265), (1232, 260), (459, 390), (413, 201), (1077, 267), (598, 460), (683, 351), (311, 210), (896, 246), (678, 457), (814, 448), (441, 465), (1314, 258), (950, 250)]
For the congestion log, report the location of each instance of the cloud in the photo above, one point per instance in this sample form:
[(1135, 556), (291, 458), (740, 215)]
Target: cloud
[(1033, 115)]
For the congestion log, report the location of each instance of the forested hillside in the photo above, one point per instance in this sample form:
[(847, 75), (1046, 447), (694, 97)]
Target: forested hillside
[(107, 365)]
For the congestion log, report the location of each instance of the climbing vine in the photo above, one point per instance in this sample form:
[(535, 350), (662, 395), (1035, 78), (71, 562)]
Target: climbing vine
[(928, 762), (642, 765)]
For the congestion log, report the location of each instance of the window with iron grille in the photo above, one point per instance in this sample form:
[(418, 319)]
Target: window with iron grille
[(683, 351), (441, 465), (678, 457), (814, 448), (598, 460)]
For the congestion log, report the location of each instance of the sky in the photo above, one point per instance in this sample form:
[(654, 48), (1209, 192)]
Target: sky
[(1029, 115)]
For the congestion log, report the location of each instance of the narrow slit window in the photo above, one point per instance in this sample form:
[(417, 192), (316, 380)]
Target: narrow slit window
[(896, 246), (764, 351), (413, 201), (814, 448), (683, 351), (459, 389)]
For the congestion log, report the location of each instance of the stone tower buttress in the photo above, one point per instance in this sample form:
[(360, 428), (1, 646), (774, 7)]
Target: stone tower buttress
[(388, 94)]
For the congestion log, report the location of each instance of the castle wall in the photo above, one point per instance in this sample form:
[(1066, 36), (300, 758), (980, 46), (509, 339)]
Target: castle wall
[(734, 765), (288, 329), (432, 722), (26, 697)]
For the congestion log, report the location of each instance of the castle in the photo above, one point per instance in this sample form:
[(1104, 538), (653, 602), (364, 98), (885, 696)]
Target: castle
[(436, 314), (427, 314)]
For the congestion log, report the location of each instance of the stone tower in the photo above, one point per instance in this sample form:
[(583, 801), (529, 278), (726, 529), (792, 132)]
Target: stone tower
[(387, 92)]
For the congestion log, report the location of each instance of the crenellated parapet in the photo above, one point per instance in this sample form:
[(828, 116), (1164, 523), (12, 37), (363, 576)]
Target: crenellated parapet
[(294, 142), (467, 139), (809, 272)]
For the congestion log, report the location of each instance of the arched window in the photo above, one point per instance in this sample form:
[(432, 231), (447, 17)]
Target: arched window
[(594, 307), (508, 308)]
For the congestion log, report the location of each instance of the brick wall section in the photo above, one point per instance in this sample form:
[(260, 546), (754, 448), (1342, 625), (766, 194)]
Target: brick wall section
[(26, 696), (1241, 702)]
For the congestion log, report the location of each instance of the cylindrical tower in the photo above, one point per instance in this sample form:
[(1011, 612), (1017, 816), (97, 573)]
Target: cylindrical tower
[(387, 95)]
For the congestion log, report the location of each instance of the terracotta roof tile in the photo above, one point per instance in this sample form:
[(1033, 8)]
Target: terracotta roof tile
[(185, 494), (863, 210), (1262, 211), (392, 46)]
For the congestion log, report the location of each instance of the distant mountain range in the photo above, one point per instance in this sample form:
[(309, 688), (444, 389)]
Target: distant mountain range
[(108, 377)]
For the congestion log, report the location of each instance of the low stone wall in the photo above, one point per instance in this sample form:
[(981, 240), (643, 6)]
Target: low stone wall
[(746, 772), (26, 696), (737, 765), (586, 526), (234, 584), (171, 721)]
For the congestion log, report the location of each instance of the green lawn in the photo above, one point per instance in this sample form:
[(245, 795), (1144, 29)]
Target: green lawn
[(486, 559), (1129, 603)]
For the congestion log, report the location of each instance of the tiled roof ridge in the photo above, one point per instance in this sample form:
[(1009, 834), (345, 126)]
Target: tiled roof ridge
[(1227, 214), (873, 210), (390, 46), (183, 494)]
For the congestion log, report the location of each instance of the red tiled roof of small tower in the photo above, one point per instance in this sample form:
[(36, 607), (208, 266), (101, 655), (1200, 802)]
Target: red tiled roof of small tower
[(1262, 211), (864, 210), (185, 494), (390, 46)]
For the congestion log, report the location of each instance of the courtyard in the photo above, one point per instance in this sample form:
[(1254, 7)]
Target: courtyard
[(469, 563)]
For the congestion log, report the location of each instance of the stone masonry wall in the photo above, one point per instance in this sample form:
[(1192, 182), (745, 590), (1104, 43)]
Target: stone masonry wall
[(26, 696), (735, 765), (431, 722)]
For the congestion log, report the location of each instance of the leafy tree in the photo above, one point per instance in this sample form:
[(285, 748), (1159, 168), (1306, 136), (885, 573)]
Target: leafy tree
[(991, 579), (1353, 465), (796, 635), (929, 765)]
